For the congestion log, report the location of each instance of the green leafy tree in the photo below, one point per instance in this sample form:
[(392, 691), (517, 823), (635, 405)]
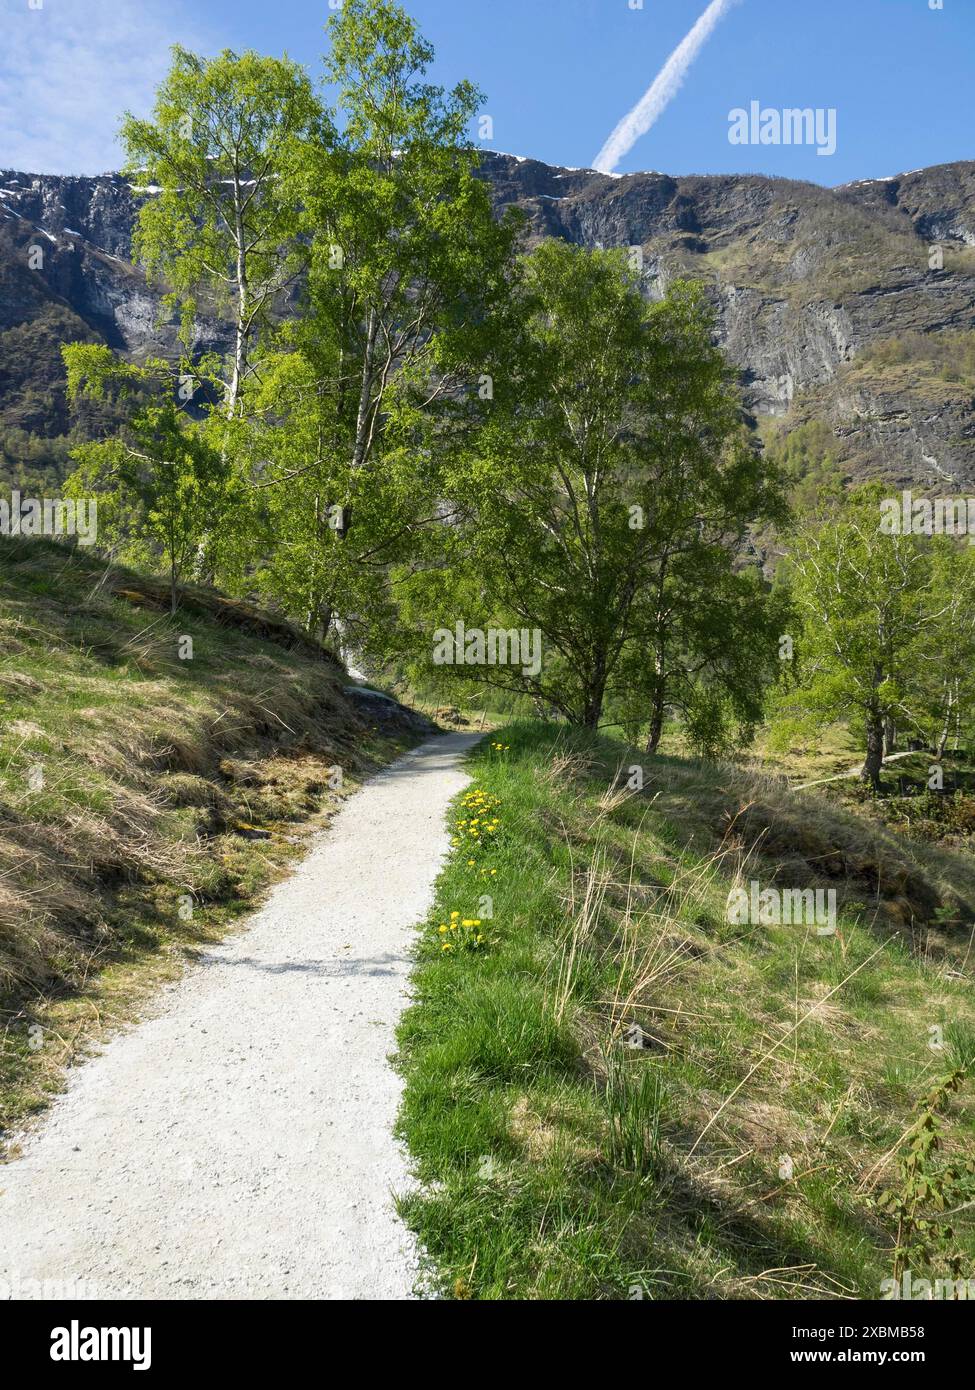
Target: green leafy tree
[(159, 482), (883, 616), (368, 392), (705, 646), (948, 663), (220, 161), (610, 488)]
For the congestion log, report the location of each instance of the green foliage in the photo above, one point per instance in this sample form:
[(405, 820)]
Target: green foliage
[(220, 157), (32, 394), (161, 486), (358, 407), (605, 501), (806, 458), (926, 1188), (436, 430), (887, 634), (633, 1099)]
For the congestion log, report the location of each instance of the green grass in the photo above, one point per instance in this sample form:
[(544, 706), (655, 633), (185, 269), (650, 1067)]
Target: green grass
[(145, 801), (555, 1160)]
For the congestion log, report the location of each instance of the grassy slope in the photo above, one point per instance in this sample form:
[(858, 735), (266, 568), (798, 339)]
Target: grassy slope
[(561, 1163), (173, 791)]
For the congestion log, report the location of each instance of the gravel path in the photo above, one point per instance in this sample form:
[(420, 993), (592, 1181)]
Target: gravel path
[(238, 1144)]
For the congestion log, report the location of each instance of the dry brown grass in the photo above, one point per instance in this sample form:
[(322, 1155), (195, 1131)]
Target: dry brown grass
[(162, 781)]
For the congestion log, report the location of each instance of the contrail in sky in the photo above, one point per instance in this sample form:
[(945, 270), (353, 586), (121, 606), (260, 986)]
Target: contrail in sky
[(664, 88)]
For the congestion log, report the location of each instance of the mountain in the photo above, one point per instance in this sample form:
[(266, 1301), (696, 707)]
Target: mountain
[(849, 311)]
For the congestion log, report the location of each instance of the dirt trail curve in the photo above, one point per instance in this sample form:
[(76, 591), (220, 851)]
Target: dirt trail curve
[(238, 1144)]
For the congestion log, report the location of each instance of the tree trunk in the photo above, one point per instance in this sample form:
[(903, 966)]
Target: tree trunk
[(365, 392), (595, 694), (874, 761), (656, 720), (942, 744), (660, 688), (243, 305)]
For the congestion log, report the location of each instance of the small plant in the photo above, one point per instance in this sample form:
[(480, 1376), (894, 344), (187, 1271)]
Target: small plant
[(926, 1190), (633, 1099), (479, 823), (461, 934)]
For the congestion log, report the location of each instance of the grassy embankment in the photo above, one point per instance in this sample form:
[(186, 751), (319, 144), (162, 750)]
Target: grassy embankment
[(736, 1151), (145, 801)]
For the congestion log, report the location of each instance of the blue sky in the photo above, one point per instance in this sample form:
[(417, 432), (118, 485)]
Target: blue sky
[(558, 75)]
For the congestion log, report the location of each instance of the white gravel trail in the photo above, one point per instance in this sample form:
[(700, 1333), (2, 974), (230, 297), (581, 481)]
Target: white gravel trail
[(239, 1143)]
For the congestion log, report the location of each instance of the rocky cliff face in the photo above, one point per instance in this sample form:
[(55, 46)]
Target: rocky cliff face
[(853, 306)]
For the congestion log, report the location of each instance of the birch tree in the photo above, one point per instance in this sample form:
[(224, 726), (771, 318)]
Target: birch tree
[(407, 259), (159, 482), (378, 378), (218, 164), (884, 640), (611, 478)]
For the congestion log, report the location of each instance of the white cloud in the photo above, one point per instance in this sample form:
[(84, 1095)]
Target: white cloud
[(68, 71), (661, 92)]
